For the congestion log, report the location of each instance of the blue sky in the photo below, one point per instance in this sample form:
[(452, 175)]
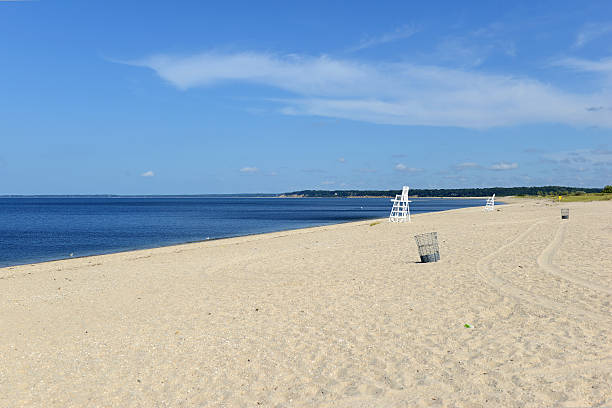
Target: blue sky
[(164, 97)]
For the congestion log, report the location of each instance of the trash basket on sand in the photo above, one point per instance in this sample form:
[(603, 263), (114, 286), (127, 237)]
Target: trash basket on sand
[(565, 213), (428, 247)]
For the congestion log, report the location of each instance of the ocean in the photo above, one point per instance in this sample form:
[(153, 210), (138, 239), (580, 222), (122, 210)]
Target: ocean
[(36, 229)]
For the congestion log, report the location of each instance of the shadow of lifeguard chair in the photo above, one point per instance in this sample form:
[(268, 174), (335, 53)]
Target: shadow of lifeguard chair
[(490, 206), (400, 212)]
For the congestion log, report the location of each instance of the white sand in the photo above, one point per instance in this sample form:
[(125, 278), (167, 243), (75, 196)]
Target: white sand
[(338, 316)]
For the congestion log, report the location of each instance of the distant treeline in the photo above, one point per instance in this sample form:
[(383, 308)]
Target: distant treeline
[(246, 195), (449, 192)]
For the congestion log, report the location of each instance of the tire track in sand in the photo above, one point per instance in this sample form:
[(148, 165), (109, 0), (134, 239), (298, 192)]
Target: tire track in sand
[(505, 288), (545, 262)]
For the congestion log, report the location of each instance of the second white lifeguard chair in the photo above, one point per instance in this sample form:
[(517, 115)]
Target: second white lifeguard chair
[(490, 206), (400, 212)]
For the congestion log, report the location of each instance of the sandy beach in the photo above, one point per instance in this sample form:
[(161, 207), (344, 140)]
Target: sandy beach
[(335, 316)]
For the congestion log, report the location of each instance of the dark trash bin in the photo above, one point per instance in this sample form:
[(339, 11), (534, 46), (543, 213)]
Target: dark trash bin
[(565, 213), (428, 247)]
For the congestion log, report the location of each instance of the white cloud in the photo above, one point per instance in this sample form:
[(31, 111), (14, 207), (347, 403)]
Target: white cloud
[(388, 93), (504, 166), (341, 160), (249, 170), (601, 156), (462, 51), (397, 34), (473, 48), (149, 173), (467, 165), (591, 32), (403, 167), (327, 183), (604, 65)]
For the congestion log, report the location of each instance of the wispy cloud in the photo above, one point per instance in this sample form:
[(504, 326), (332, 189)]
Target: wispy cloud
[(403, 167), (591, 32), (600, 156), (389, 93), (601, 69), (603, 65), (504, 166), (327, 182), (341, 160), (467, 165), (597, 108), (249, 169), (461, 51), (473, 48), (149, 173), (496, 35), (397, 34)]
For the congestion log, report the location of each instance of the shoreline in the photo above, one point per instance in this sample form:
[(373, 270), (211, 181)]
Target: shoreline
[(220, 238), (201, 241)]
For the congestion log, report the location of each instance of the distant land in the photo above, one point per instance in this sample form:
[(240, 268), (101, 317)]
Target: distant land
[(253, 195), (447, 192), (418, 192)]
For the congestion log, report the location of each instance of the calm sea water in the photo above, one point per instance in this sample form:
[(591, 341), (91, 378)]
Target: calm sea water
[(43, 229)]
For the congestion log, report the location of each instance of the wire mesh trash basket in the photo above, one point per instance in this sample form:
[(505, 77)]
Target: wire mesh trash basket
[(428, 247), (565, 213)]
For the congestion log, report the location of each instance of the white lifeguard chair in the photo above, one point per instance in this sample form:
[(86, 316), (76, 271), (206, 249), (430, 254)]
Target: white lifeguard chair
[(400, 212), (490, 206)]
